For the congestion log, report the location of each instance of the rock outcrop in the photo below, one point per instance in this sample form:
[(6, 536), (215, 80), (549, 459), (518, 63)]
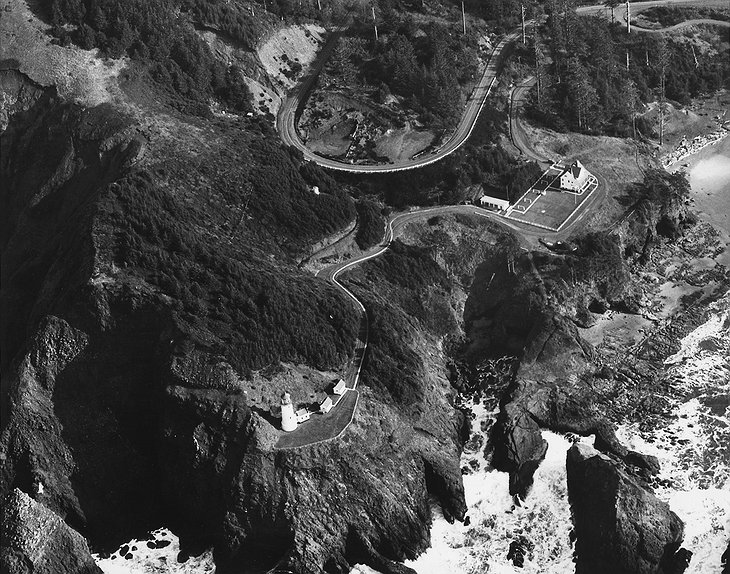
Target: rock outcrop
[(35, 540), (519, 447), (620, 527), (363, 498), (548, 393)]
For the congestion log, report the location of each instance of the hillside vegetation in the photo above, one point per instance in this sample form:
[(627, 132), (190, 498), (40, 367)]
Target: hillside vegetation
[(158, 35), (429, 66), (480, 162), (585, 84), (210, 251)]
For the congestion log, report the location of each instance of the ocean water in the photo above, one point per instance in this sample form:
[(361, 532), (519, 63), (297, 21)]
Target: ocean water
[(157, 554), (712, 174), (694, 449), (495, 521)]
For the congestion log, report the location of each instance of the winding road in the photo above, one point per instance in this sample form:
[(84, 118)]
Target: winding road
[(333, 425), (517, 134), (323, 428), (289, 112), (290, 108)]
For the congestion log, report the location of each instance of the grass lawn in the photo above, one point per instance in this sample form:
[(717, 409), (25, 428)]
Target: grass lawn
[(550, 210)]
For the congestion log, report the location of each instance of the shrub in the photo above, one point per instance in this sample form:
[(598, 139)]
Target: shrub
[(370, 224)]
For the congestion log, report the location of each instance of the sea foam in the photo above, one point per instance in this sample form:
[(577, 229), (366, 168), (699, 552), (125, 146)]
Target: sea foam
[(496, 521)]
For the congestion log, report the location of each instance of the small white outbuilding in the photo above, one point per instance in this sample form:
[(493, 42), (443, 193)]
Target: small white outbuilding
[(326, 406), (340, 387)]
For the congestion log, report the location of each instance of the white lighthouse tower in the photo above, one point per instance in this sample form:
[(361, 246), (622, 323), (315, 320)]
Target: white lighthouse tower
[(288, 417)]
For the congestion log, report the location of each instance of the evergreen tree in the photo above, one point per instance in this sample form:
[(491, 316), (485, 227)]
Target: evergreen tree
[(581, 93)]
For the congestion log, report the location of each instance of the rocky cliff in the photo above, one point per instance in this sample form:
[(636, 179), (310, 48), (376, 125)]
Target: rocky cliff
[(35, 540), (112, 417), (620, 527), (561, 383)]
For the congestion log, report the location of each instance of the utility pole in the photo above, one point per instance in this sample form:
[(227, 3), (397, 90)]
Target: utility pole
[(463, 17), (375, 25), (523, 23), (628, 17), (538, 65), (661, 107), (633, 122), (627, 59), (319, 5)]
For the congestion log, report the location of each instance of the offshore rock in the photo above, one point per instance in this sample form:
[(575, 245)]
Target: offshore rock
[(35, 540), (547, 393), (620, 527), (519, 549), (521, 447)]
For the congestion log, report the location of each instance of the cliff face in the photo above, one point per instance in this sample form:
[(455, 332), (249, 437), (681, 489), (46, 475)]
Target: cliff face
[(35, 540), (110, 418), (328, 504), (621, 528), (535, 313), (61, 346)]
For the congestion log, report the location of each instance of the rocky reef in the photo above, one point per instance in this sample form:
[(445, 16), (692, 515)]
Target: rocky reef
[(620, 527)]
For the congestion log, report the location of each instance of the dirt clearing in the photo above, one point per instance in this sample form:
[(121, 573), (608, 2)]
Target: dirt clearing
[(79, 75), (404, 143), (289, 51)]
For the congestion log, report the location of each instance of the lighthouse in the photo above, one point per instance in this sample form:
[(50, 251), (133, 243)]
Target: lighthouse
[(288, 417)]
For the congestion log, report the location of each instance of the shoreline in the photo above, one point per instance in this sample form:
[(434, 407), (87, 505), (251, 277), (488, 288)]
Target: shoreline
[(708, 172), (694, 147), (712, 148)]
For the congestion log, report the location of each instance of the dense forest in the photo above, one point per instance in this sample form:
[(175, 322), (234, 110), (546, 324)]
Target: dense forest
[(394, 290), (426, 69), (370, 223), (226, 288), (424, 63), (223, 249), (584, 82)]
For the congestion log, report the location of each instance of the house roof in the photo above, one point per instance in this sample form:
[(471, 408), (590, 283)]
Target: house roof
[(495, 193), (574, 169)]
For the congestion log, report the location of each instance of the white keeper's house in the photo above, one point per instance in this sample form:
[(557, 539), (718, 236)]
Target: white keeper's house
[(575, 177)]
